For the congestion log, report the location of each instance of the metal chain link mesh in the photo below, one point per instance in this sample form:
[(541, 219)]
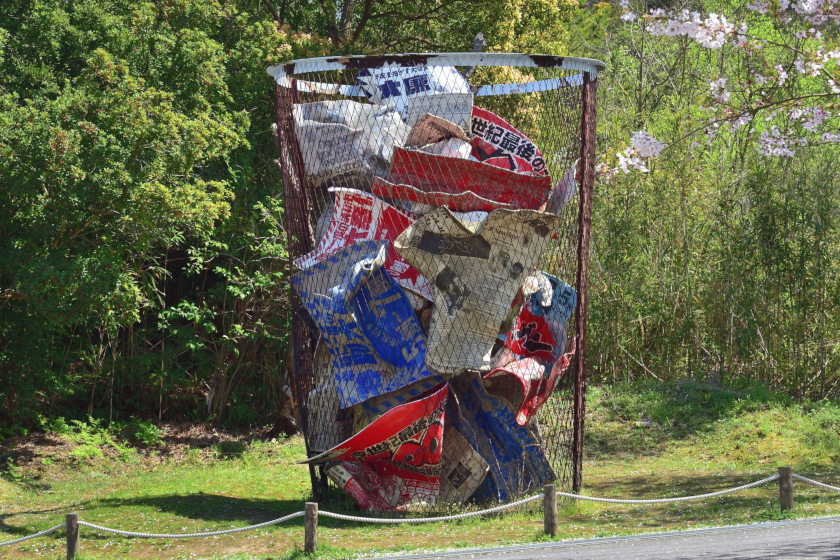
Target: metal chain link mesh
[(431, 519), (438, 243)]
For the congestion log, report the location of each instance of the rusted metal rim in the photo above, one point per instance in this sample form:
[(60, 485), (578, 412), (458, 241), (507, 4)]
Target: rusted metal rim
[(282, 72)]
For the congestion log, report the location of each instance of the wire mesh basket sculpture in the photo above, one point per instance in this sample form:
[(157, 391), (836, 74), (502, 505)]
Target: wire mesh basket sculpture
[(438, 211)]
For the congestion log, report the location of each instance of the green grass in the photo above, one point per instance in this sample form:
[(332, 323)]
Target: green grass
[(648, 440)]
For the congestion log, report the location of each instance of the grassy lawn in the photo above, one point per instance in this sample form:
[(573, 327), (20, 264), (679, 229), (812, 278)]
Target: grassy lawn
[(644, 441)]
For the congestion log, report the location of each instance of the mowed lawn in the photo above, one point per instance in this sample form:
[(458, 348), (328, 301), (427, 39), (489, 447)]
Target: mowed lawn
[(645, 441)]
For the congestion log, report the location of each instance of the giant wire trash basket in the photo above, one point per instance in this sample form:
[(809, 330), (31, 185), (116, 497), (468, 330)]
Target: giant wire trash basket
[(438, 211)]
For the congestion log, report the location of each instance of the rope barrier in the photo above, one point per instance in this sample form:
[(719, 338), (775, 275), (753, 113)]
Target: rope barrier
[(190, 535), (670, 500), (419, 519), (35, 536), (815, 483), (429, 519)]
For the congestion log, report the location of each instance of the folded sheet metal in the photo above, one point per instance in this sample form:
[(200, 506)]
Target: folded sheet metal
[(526, 385), (435, 173), (497, 142), (462, 468), (407, 87), (539, 331), (395, 461), (459, 202), (357, 216), (373, 336), (517, 464), (563, 191), (347, 143), (431, 128), (455, 107), (477, 271)]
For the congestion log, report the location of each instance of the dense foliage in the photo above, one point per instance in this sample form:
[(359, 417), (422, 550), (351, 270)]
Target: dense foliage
[(723, 262), (140, 252), (141, 243)]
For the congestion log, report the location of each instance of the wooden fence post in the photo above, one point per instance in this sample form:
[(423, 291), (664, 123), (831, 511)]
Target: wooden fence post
[(550, 509), (785, 488), (72, 530), (311, 528)]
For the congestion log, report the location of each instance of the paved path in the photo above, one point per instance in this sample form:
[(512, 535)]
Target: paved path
[(788, 540)]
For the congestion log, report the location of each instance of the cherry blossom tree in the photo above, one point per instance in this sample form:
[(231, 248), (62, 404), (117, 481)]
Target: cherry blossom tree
[(778, 81)]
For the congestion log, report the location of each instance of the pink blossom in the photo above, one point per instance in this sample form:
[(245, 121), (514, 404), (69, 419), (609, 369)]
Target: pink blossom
[(718, 91), (782, 75), (646, 145)]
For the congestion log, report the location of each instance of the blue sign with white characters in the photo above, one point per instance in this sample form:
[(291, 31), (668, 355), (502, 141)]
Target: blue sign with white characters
[(514, 455), (373, 336)]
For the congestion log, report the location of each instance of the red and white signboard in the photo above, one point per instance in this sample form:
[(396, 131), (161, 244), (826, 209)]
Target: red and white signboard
[(433, 173), (396, 459), (496, 142), (410, 434), (462, 202), (379, 487), (536, 386), (358, 217)]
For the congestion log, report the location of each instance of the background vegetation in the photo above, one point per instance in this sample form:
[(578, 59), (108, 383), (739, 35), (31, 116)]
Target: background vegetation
[(142, 251)]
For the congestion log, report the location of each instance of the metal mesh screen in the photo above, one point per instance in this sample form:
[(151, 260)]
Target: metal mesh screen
[(437, 211)]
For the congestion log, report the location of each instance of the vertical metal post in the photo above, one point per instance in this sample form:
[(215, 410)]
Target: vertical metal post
[(785, 488), (550, 521), (310, 544), (72, 529), (300, 242), (587, 186)]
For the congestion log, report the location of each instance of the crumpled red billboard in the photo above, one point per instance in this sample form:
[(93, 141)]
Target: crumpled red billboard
[(358, 216), (382, 487), (461, 202), (397, 457), (497, 142), (410, 434), (539, 331), (524, 384), (434, 173)]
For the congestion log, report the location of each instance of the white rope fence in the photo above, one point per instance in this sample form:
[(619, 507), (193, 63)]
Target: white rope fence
[(430, 519), (815, 483), (35, 536), (549, 500), (671, 500), (190, 535)]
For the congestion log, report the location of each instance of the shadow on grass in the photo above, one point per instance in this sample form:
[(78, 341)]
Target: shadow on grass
[(224, 509), (24, 531)]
